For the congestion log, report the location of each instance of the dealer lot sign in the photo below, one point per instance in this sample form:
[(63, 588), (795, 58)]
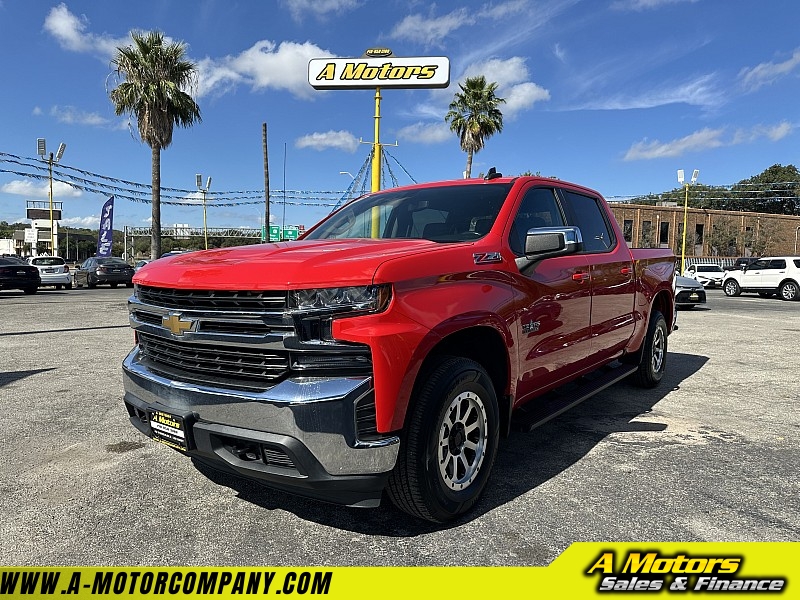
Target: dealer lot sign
[(379, 69)]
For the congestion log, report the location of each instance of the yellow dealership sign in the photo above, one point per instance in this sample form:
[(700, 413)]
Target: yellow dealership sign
[(381, 71)]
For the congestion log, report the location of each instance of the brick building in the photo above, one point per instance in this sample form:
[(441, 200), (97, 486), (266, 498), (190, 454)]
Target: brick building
[(708, 232)]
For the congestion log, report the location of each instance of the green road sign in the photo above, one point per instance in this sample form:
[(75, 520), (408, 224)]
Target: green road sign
[(274, 233), (291, 233)]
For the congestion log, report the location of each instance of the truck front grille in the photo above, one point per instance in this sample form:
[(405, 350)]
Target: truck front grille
[(229, 301), (232, 366)]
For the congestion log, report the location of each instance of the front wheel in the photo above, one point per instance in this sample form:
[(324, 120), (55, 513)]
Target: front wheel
[(30, 290), (449, 444), (731, 288), (789, 291), (654, 353)]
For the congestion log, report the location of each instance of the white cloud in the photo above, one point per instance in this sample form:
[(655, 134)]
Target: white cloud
[(263, 65), (560, 53), (37, 190), (36, 111), (74, 116), (319, 8), (511, 76), (705, 139), (426, 133), (767, 72), (337, 140), (88, 222), (640, 5), (70, 31), (430, 31), (700, 91)]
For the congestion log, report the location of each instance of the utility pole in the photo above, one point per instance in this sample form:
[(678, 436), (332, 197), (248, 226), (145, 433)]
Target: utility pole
[(266, 182)]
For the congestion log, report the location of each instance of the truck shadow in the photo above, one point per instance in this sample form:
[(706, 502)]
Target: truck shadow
[(524, 460)]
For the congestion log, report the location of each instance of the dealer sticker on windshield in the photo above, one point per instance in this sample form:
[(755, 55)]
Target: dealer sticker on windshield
[(169, 429)]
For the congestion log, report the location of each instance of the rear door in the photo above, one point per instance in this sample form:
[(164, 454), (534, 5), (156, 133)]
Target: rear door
[(774, 273), (611, 270)]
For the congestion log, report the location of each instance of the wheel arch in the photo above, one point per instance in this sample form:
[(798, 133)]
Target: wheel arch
[(486, 346)]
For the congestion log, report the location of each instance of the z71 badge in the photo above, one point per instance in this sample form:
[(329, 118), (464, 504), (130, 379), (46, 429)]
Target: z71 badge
[(483, 258)]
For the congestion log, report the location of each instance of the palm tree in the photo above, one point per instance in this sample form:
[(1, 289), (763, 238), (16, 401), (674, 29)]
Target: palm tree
[(474, 115), (154, 74)]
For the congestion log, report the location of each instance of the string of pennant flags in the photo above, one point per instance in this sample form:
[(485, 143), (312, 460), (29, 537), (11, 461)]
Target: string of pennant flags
[(95, 183)]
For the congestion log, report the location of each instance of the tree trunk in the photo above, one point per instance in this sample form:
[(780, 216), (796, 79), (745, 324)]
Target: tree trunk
[(155, 240), (469, 165)]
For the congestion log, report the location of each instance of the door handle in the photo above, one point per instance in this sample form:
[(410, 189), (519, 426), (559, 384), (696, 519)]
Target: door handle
[(580, 277)]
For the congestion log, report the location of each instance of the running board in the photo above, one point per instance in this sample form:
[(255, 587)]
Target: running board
[(540, 410)]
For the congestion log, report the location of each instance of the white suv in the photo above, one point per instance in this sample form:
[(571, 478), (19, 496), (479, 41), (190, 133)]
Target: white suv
[(767, 276), (53, 270)]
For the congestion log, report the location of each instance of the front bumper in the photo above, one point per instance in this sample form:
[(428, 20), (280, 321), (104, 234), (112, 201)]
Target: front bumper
[(300, 435)]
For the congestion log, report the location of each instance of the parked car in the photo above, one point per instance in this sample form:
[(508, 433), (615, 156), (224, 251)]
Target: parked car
[(741, 263), (16, 274), (766, 276), (53, 270), (98, 271), (688, 292), (710, 275), (139, 264)]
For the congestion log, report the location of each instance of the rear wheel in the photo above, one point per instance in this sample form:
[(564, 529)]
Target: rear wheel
[(731, 288), (653, 361), (113, 285), (58, 286), (30, 290), (449, 444), (90, 282), (789, 290)]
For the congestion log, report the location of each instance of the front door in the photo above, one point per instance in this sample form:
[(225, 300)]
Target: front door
[(553, 299)]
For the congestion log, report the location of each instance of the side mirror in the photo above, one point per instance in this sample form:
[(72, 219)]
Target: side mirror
[(543, 242)]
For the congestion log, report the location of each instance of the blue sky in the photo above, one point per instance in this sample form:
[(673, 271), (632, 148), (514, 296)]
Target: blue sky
[(613, 94)]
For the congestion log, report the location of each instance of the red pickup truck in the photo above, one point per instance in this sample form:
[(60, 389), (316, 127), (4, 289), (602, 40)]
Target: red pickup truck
[(395, 343)]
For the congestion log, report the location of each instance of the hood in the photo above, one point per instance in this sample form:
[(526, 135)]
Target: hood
[(281, 265)]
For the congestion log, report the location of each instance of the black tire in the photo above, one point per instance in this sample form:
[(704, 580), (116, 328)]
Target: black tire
[(90, 283), (789, 290), (113, 285), (653, 363), (68, 286), (58, 286), (129, 284), (449, 444), (731, 288), (30, 290)]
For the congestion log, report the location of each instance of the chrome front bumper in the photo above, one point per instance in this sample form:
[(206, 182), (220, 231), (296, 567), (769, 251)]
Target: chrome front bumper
[(311, 420)]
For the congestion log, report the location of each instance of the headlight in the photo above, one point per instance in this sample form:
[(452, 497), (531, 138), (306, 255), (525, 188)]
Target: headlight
[(368, 298)]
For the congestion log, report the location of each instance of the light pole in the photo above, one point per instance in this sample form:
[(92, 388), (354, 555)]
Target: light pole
[(796, 231), (695, 173), (41, 147), (204, 190)]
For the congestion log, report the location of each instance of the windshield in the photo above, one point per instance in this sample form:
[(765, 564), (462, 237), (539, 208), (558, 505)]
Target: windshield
[(47, 261), (451, 213), (709, 269), (114, 262)]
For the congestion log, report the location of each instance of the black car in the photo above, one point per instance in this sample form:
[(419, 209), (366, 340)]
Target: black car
[(742, 263), (100, 271), (16, 274)]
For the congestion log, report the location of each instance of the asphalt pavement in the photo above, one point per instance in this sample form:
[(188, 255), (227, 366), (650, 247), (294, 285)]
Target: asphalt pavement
[(711, 455)]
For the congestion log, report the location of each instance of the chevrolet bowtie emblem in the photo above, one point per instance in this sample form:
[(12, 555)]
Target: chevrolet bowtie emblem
[(176, 324)]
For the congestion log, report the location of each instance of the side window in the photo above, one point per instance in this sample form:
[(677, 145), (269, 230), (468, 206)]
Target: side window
[(759, 264), (539, 208), (777, 264), (589, 216)]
